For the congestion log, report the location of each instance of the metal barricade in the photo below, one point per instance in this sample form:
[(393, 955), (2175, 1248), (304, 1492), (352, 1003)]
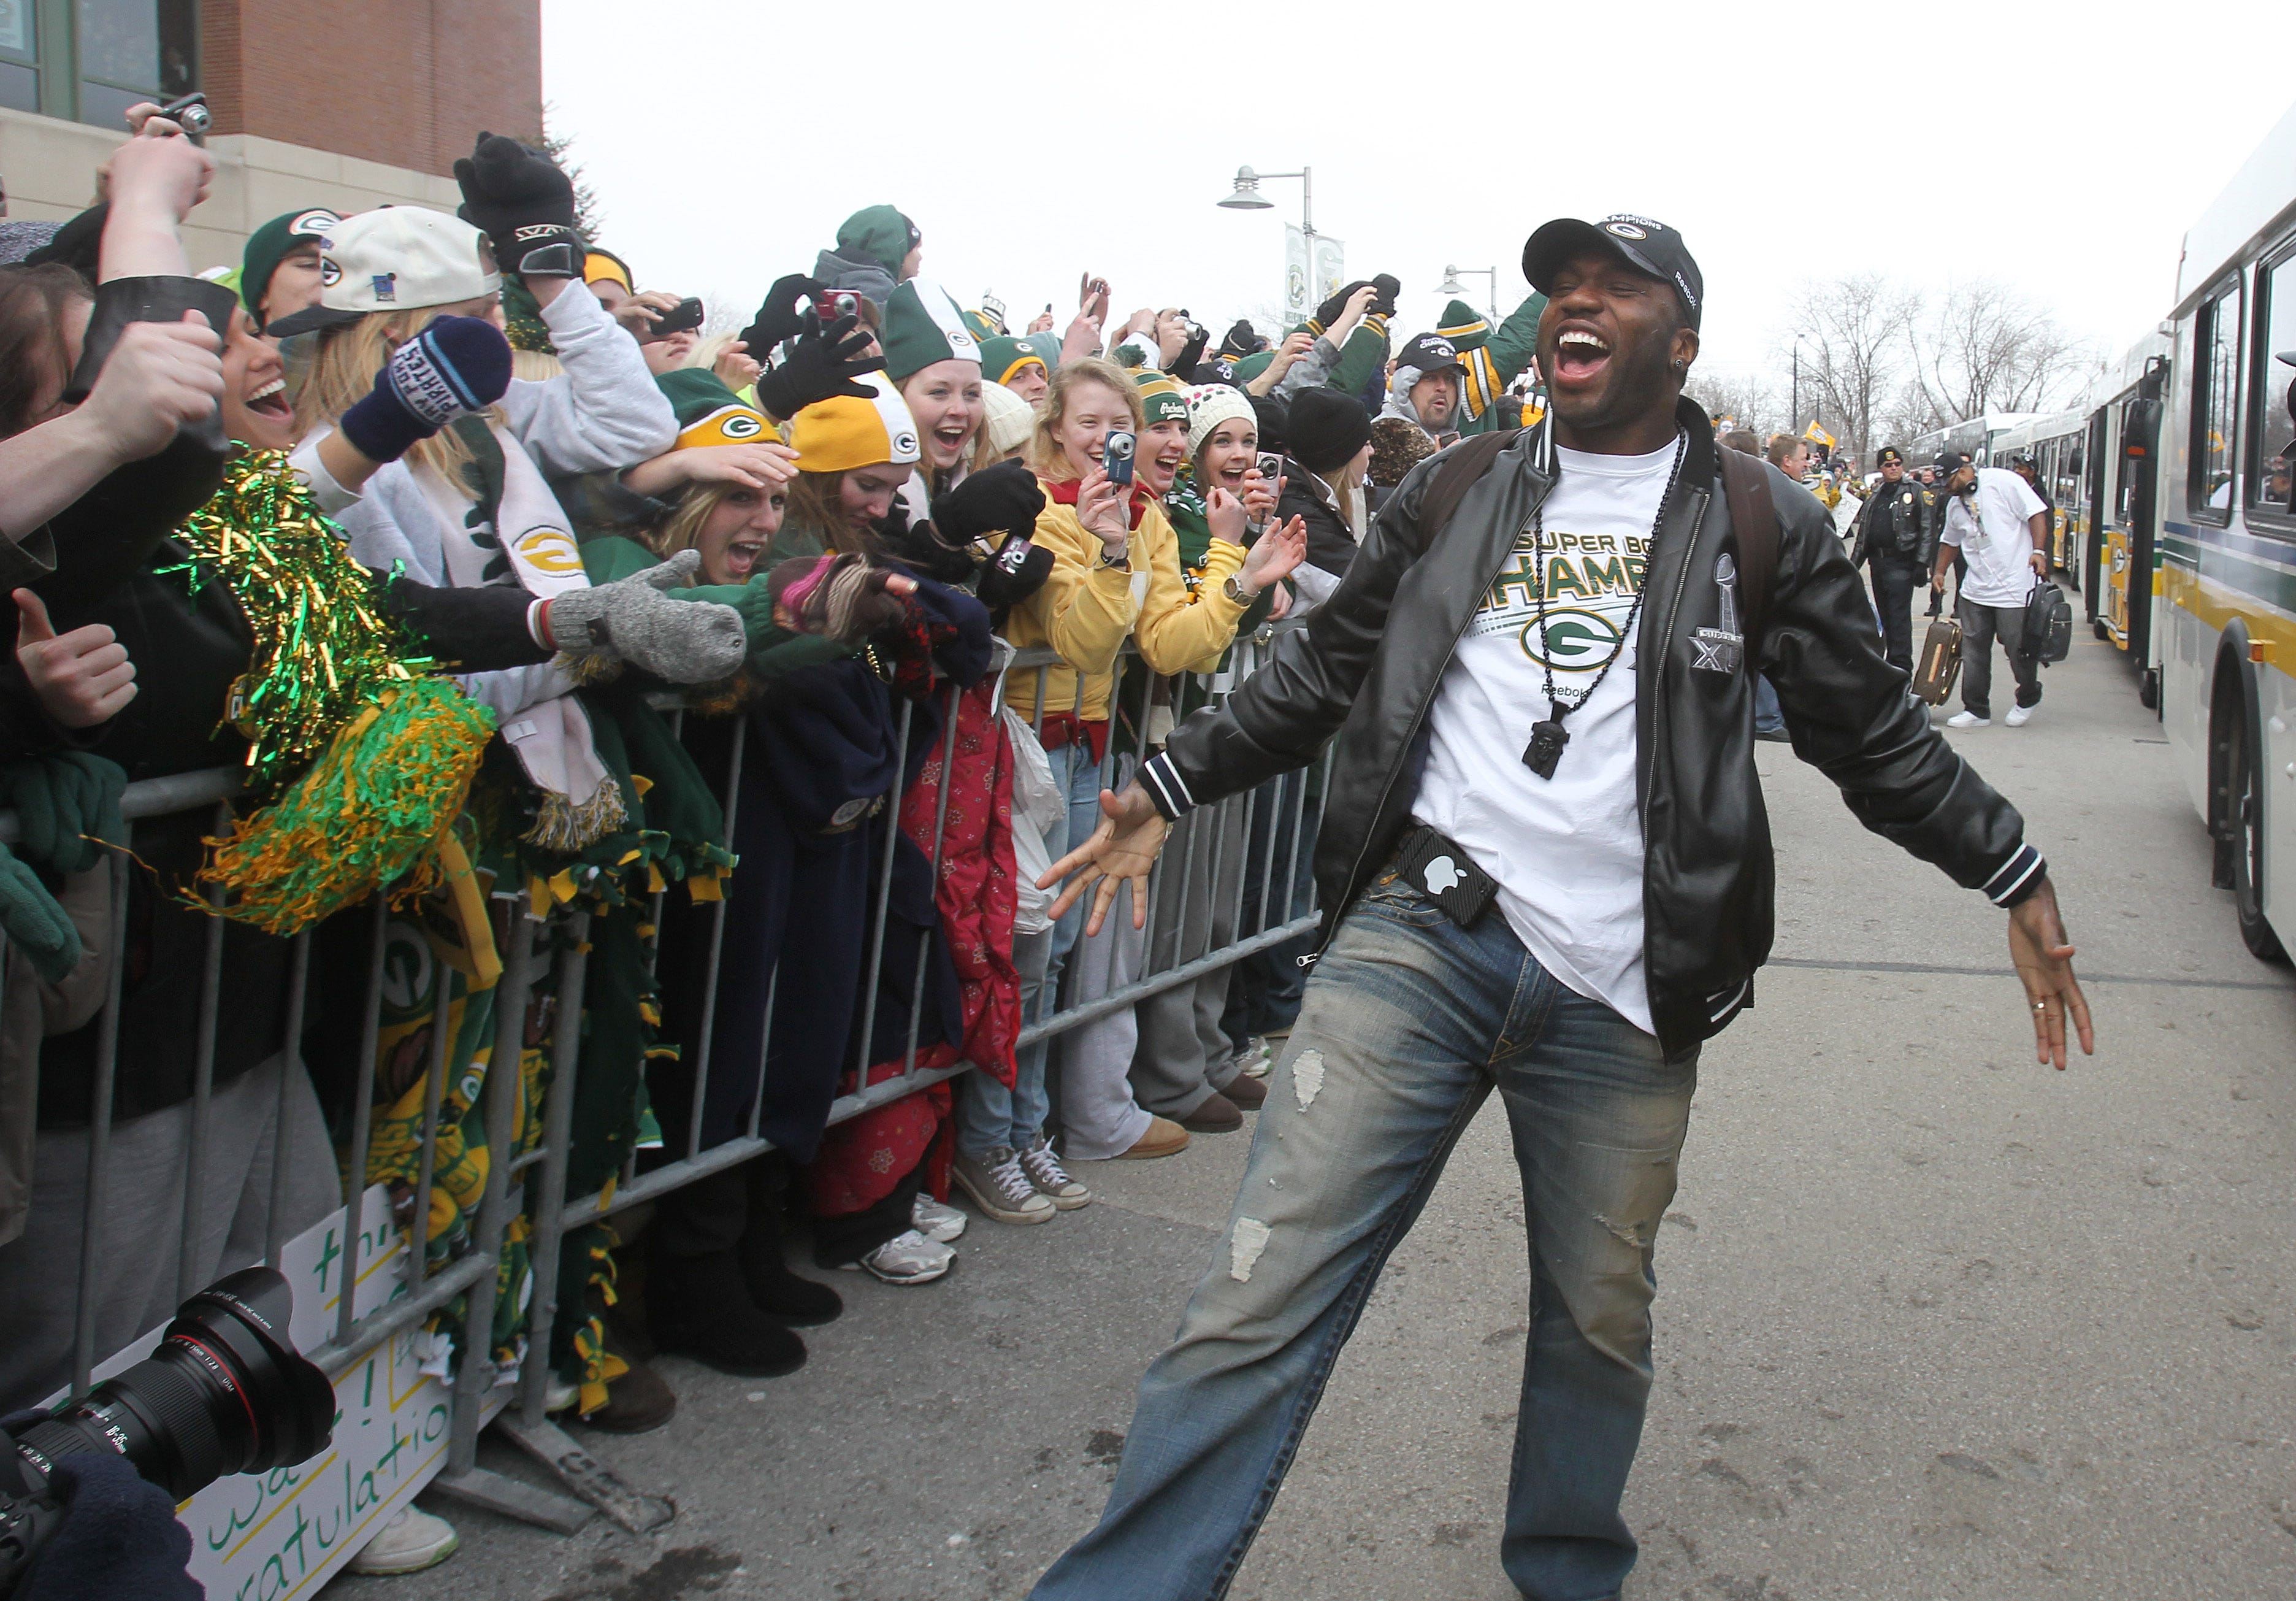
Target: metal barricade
[(1217, 851)]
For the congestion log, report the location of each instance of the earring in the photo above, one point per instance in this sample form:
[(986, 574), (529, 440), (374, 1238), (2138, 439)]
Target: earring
[(1681, 369)]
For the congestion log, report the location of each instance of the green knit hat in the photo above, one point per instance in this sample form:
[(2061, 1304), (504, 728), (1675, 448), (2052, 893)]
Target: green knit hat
[(981, 324), (709, 413), (923, 325), (1162, 397), (880, 234), (268, 245), (1252, 366), (1006, 354), (1466, 328)]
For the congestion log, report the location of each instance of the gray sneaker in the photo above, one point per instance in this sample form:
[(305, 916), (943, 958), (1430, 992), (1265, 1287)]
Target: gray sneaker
[(994, 1181), (1052, 1180)]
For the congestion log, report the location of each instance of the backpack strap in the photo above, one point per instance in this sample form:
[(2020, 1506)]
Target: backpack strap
[(1461, 470), (1754, 514)]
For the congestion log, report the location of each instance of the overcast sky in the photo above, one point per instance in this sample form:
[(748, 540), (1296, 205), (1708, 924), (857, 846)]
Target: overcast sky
[(2061, 148)]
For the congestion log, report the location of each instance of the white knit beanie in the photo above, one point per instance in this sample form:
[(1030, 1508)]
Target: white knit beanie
[(1010, 419), (1209, 405)]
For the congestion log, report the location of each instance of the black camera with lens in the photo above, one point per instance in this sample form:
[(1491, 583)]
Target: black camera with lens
[(225, 1392)]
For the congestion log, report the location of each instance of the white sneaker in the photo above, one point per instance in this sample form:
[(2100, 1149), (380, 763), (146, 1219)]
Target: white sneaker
[(907, 1259), (410, 1542), (937, 1220), (1258, 1058), (1052, 1180), (1970, 719), (2019, 716)]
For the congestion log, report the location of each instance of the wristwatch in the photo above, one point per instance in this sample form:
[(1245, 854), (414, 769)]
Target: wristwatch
[(1235, 591), (1117, 560)]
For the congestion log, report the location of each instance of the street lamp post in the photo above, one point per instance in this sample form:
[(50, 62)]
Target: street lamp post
[(1450, 286), (1248, 198)]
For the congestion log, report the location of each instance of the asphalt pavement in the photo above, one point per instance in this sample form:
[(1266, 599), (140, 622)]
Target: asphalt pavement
[(1932, 1321)]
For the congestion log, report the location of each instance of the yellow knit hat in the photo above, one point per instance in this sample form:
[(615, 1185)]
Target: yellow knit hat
[(842, 433)]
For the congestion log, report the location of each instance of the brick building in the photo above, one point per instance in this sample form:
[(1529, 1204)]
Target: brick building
[(347, 103)]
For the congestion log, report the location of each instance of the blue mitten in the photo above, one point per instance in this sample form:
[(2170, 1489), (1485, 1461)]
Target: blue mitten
[(119, 1537), (457, 365)]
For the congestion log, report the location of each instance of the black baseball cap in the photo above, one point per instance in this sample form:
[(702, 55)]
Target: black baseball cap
[(1648, 246), (1429, 353), (1950, 461)]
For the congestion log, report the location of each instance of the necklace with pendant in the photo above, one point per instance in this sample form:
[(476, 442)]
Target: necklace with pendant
[(1548, 738)]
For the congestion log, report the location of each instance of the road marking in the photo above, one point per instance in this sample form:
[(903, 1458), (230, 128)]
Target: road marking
[(1992, 973)]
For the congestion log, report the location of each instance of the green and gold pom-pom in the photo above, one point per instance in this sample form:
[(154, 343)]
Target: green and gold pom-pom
[(324, 649), (369, 812)]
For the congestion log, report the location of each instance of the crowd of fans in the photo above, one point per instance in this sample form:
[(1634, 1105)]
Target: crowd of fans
[(547, 494)]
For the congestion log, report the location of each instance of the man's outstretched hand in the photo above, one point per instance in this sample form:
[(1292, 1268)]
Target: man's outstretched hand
[(1123, 847), (2044, 959)]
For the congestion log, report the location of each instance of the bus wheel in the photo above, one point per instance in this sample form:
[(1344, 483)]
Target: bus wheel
[(2247, 797)]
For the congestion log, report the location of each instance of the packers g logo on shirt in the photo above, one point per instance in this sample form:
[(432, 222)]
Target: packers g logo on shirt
[(727, 425), (550, 550), (1576, 639)]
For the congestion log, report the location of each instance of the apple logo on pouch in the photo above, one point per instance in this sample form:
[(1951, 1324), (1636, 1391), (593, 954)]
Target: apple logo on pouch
[(1443, 876)]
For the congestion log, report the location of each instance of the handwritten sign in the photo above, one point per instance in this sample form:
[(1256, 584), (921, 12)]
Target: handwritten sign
[(274, 1535)]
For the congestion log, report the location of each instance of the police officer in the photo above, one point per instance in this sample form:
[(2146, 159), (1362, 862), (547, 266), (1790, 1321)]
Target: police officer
[(1895, 535)]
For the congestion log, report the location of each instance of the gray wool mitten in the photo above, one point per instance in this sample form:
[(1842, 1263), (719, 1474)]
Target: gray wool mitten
[(632, 620)]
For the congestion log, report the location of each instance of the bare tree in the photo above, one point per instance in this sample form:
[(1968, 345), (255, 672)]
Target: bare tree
[(1852, 333), (1987, 349), (588, 218), (1746, 400)]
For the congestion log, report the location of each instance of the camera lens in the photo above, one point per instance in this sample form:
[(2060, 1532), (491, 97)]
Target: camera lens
[(225, 1392), (195, 119)]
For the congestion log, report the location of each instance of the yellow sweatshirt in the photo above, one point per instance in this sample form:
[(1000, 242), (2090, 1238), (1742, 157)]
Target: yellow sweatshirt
[(1084, 610)]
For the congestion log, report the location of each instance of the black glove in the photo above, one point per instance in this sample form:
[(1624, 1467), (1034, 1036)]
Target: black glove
[(822, 364), (780, 315), (1242, 340), (1191, 352), (1329, 311), (1004, 499), (1389, 288), (524, 203), (1017, 571)]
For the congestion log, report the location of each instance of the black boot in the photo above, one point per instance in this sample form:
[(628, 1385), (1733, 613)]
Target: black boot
[(698, 1307), (773, 1288)]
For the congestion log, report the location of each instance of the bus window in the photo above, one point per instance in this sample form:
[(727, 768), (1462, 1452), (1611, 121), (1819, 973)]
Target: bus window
[(2216, 380), (2268, 486)]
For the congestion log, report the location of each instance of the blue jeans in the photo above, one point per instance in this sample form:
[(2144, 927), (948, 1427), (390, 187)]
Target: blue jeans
[(1409, 1022), (1769, 717), (989, 1114)]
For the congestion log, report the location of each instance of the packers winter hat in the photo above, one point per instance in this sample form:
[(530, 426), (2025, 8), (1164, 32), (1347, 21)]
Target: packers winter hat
[(880, 234), (981, 325), (1160, 397), (923, 325), (709, 413), (1209, 405), (1466, 328), (1429, 353), (268, 247), (1325, 428), (841, 432), (603, 266), (395, 259), (1252, 366), (1648, 246), (1011, 419), (1005, 355)]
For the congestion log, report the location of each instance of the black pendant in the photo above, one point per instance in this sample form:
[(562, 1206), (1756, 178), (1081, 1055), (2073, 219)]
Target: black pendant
[(1545, 748)]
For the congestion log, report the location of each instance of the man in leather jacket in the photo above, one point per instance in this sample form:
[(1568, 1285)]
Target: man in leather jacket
[(1895, 537), (1565, 925)]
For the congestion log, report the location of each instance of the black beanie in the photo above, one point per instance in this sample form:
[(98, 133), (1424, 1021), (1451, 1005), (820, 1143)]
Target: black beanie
[(1274, 422), (1326, 428)]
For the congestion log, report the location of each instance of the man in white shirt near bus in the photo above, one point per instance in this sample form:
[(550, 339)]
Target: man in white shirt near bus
[(2001, 528)]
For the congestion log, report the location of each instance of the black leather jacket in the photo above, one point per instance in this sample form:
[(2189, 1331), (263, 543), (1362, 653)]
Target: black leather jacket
[(1368, 666), (1898, 507)]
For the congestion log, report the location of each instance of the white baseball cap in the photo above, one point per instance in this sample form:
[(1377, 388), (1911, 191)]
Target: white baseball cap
[(395, 259)]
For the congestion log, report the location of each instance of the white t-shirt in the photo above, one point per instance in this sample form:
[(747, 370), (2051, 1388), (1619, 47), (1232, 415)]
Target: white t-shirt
[(1996, 542), (1567, 851)]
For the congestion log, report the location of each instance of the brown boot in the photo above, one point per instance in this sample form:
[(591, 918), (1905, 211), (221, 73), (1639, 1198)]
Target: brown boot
[(1216, 1115), (1246, 1095), (1164, 1137)]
